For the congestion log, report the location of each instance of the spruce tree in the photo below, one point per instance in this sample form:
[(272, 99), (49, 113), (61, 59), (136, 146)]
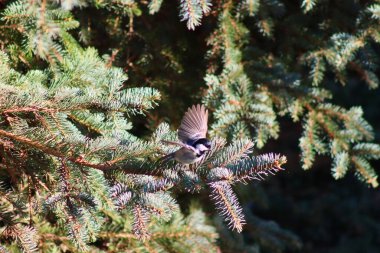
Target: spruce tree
[(87, 89)]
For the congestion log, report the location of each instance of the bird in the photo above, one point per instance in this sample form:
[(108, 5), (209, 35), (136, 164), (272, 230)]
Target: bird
[(192, 135)]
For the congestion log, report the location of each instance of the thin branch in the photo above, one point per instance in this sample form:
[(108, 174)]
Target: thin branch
[(78, 159)]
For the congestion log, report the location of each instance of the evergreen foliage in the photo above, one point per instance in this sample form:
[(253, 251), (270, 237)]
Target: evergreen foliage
[(243, 109), (75, 176), (71, 164)]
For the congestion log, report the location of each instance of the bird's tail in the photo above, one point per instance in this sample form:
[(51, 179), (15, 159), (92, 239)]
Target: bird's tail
[(165, 159)]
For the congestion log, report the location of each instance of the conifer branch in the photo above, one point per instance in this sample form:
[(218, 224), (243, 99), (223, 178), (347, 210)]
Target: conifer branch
[(340, 166), (140, 223), (25, 236), (235, 152), (365, 171), (191, 10), (257, 167), (227, 204), (252, 6), (308, 5), (77, 160)]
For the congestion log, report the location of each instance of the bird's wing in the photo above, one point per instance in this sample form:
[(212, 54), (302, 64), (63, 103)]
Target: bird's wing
[(194, 124)]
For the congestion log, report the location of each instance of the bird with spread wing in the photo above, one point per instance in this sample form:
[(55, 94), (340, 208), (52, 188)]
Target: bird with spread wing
[(192, 135)]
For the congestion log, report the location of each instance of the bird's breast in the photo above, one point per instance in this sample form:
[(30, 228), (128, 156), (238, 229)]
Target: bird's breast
[(186, 156)]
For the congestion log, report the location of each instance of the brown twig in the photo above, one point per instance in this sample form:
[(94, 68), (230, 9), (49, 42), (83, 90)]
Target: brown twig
[(79, 160)]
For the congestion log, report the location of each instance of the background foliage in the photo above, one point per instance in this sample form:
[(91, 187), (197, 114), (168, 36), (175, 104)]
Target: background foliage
[(299, 77)]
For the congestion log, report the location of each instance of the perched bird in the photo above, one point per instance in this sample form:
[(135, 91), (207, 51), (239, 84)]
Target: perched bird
[(192, 135)]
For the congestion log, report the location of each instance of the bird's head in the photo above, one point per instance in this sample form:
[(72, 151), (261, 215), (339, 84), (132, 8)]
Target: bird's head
[(203, 145)]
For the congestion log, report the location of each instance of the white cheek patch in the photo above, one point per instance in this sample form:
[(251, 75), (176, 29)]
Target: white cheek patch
[(202, 147)]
